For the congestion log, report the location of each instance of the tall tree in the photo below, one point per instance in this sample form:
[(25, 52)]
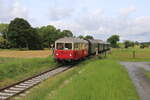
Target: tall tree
[(67, 33), (113, 40), (3, 30), (88, 37), (21, 34), (49, 34), (127, 43), (81, 37)]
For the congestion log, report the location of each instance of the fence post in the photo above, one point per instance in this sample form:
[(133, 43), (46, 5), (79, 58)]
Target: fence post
[(133, 54)]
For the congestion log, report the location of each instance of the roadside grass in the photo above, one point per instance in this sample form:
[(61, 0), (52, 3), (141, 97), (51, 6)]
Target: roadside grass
[(15, 69), (127, 54), (93, 79), (147, 74)]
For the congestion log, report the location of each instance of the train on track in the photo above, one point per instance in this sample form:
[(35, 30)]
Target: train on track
[(73, 49)]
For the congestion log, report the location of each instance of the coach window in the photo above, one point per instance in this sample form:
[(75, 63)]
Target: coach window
[(68, 46), (86, 46), (75, 46), (82, 46), (60, 46), (79, 46)]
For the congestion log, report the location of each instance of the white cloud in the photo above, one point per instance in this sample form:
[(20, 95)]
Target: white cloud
[(99, 25), (18, 10), (93, 22), (127, 11), (11, 10), (59, 13)]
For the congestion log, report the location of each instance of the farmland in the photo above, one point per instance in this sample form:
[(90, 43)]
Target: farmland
[(127, 54), (25, 54), (93, 79), (18, 65)]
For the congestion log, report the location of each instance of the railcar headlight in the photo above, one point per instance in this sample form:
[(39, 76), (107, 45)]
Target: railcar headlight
[(70, 54), (56, 54)]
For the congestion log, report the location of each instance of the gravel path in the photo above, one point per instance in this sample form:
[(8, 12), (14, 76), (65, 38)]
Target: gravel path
[(137, 74)]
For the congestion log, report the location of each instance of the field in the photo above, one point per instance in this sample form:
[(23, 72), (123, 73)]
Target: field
[(127, 54), (93, 79), (15, 69), (17, 65), (25, 54), (96, 80)]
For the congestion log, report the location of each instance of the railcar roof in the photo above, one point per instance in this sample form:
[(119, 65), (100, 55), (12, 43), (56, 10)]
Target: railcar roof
[(106, 43), (70, 40), (100, 41), (93, 41)]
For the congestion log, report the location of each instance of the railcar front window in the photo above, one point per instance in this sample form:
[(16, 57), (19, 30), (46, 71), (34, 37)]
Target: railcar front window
[(68, 46), (60, 46)]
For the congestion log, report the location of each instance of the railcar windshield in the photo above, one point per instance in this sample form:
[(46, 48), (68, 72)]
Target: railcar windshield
[(60, 46), (64, 46), (68, 46)]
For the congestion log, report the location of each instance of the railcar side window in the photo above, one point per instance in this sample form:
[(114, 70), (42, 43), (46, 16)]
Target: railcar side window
[(68, 46), (76, 46), (60, 46)]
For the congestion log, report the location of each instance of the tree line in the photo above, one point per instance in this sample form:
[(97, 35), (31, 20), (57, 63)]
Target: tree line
[(114, 39), (20, 34)]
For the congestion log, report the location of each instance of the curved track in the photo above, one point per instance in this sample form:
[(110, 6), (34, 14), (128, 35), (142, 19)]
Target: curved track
[(20, 87)]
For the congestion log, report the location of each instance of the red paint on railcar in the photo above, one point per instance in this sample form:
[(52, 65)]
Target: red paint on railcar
[(70, 54)]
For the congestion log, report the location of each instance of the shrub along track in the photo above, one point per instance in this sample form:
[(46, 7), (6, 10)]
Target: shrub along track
[(24, 85)]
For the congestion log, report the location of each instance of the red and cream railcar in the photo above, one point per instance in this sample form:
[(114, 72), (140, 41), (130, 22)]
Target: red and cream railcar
[(70, 49)]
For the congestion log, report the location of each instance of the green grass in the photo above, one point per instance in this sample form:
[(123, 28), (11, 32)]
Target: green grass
[(92, 80), (14, 69), (127, 54), (147, 74), (96, 79), (7, 60)]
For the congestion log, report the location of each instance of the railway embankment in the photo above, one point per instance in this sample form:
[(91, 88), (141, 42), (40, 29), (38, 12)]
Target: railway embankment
[(93, 79), (16, 69)]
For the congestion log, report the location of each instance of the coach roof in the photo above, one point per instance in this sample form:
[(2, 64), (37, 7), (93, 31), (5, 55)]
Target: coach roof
[(70, 40)]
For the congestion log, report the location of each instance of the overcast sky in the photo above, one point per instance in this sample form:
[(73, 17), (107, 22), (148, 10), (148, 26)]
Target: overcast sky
[(101, 18)]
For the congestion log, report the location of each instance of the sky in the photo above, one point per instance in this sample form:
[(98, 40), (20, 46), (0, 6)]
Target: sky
[(130, 19)]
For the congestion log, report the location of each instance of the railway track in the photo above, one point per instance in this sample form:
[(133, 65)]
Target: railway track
[(22, 86)]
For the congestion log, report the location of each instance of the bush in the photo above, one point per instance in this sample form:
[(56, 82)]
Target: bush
[(4, 44), (144, 45)]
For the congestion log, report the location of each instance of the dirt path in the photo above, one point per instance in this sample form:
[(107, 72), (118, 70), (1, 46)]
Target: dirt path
[(137, 74)]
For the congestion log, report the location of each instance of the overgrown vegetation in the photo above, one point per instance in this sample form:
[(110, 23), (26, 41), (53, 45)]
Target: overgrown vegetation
[(15, 69), (96, 80)]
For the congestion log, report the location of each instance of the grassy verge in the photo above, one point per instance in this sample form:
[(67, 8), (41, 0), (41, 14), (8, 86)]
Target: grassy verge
[(95, 80), (7, 60), (14, 69), (127, 54), (147, 74)]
